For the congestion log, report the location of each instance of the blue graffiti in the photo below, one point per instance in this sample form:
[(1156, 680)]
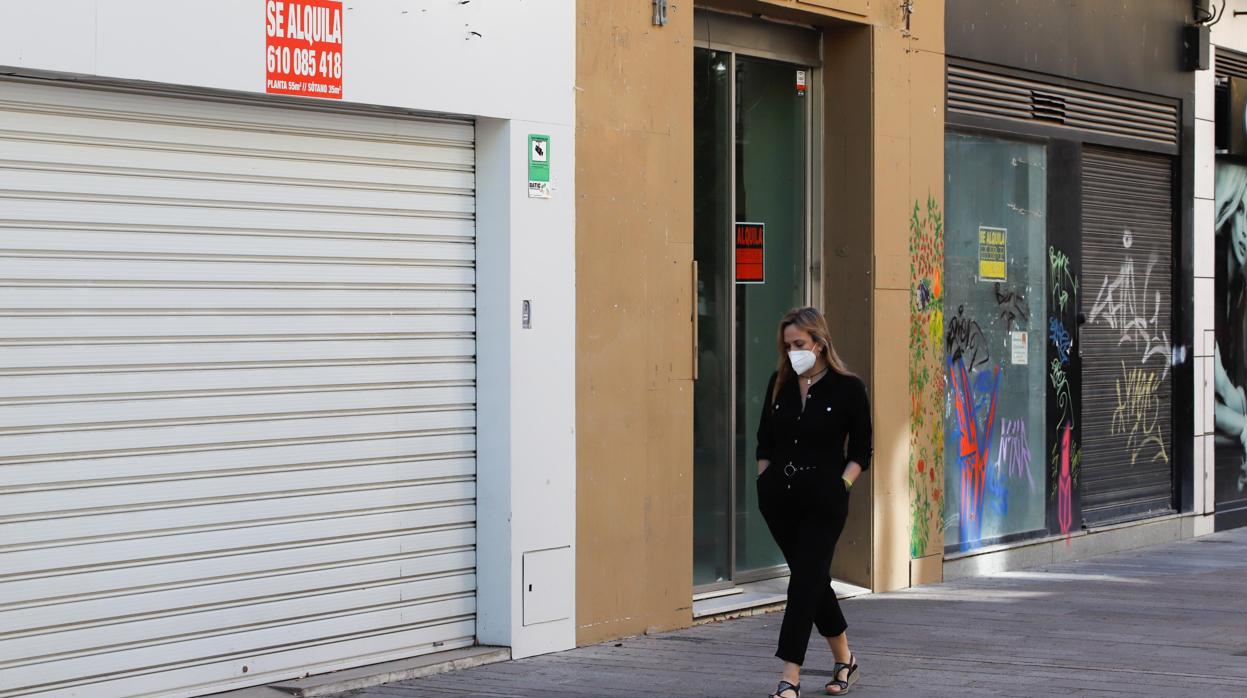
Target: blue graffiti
[(984, 389), (973, 442), (997, 492), (1060, 339)]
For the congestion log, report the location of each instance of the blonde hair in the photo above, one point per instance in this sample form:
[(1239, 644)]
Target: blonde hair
[(812, 322), (1231, 186)]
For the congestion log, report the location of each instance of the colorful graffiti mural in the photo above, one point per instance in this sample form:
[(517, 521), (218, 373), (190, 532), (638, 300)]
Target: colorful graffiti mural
[(974, 439), (1065, 457), (1125, 364), (926, 375)]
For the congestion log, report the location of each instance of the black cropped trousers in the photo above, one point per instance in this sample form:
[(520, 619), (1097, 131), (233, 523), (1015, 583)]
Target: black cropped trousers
[(805, 510)]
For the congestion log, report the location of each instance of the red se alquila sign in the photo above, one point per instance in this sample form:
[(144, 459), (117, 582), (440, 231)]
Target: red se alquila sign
[(750, 253), (303, 48)]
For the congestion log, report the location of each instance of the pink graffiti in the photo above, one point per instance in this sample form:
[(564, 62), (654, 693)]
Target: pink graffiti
[(1064, 489)]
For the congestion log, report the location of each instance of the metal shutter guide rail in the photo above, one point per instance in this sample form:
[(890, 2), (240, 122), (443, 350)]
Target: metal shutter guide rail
[(977, 91)]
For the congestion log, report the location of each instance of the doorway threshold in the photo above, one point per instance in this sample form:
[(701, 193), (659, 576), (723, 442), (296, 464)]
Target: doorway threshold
[(717, 593), (757, 595)]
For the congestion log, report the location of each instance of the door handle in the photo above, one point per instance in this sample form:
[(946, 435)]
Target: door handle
[(693, 307)]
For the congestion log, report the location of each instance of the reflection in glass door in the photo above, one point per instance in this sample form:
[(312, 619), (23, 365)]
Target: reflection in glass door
[(751, 155), (712, 247)]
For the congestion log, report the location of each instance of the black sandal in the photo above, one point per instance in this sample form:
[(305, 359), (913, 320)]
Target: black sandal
[(843, 685), (785, 686)]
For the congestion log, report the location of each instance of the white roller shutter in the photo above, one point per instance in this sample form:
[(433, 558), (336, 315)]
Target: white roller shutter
[(237, 391)]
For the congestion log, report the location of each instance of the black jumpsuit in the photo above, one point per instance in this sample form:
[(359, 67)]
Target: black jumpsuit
[(803, 498)]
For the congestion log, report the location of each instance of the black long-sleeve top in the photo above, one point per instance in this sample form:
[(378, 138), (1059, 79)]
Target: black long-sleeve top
[(832, 429)]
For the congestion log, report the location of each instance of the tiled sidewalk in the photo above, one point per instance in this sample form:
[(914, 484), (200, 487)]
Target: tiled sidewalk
[(1167, 620)]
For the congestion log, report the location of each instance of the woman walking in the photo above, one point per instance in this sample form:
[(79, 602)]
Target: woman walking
[(814, 440)]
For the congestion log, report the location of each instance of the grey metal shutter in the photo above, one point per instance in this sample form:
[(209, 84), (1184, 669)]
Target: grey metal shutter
[(1127, 229), (237, 391)]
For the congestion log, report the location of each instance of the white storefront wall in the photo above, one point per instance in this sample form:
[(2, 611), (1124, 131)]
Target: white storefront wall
[(1231, 30), (509, 65)]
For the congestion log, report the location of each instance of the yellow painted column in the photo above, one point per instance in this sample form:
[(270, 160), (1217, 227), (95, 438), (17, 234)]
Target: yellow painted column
[(908, 107)]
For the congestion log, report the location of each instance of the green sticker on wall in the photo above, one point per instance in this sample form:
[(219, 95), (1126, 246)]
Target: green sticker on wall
[(538, 166)]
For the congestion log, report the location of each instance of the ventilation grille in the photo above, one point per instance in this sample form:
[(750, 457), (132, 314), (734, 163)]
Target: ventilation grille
[(982, 93), (1230, 63)]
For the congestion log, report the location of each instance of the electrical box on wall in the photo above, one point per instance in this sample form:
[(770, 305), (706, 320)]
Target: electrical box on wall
[(547, 585), (1195, 47)]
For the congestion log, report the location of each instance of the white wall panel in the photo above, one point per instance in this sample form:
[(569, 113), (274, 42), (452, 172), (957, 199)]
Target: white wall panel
[(496, 58), (1231, 31)]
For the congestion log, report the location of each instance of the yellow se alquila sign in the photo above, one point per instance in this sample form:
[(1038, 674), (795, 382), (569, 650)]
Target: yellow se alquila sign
[(992, 253)]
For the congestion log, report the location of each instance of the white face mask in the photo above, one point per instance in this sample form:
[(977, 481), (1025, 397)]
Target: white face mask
[(802, 360)]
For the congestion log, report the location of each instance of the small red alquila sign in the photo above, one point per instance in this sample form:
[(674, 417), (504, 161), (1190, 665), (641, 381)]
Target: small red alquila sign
[(750, 253), (303, 48)]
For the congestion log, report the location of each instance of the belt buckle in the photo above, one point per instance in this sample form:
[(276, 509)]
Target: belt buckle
[(790, 470)]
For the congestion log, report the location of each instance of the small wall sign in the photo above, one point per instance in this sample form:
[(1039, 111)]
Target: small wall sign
[(303, 48), (1020, 353), (538, 166), (992, 254), (750, 253)]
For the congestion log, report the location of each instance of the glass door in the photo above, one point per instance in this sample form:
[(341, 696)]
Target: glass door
[(713, 89), (751, 231)]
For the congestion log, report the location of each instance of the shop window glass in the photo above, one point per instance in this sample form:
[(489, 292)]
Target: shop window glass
[(994, 284)]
